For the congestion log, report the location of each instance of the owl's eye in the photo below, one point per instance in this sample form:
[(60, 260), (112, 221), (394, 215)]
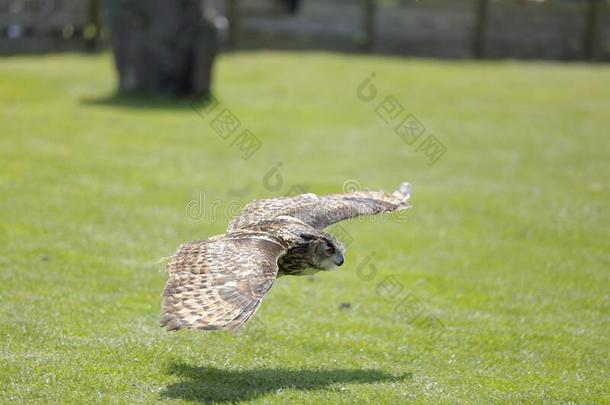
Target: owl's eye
[(329, 250)]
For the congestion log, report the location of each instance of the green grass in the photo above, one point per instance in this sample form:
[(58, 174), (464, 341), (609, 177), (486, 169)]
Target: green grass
[(507, 245)]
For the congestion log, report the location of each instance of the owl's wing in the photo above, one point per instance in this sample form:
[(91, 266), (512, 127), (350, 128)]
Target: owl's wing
[(320, 212), (219, 283)]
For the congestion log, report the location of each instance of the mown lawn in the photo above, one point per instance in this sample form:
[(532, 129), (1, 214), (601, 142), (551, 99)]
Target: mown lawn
[(492, 289)]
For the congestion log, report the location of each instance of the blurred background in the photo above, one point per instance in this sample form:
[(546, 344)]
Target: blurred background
[(128, 127), (536, 29), (159, 42)]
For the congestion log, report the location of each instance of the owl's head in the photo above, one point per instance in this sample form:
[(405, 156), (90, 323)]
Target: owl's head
[(326, 252)]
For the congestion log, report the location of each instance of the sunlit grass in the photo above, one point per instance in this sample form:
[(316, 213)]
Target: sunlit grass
[(506, 247)]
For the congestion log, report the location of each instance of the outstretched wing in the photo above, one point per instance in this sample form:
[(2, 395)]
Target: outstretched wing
[(219, 283), (320, 212)]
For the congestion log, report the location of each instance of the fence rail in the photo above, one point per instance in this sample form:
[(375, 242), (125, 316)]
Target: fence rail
[(551, 29), (30, 26)]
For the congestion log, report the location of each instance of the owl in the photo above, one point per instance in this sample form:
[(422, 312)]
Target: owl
[(219, 283)]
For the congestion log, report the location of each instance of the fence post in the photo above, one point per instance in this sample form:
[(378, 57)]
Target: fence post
[(95, 21), (233, 14), (591, 29), (480, 30), (368, 8)]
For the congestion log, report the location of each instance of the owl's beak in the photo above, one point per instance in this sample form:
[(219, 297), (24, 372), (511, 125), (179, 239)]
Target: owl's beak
[(338, 258)]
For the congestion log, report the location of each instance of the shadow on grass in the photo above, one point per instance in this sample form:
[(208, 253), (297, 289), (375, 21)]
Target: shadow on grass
[(211, 385), (147, 101)]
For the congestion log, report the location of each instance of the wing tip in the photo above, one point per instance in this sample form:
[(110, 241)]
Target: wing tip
[(403, 195), (404, 189)]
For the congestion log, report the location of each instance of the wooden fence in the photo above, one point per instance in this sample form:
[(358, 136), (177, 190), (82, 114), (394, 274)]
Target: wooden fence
[(32, 26), (551, 29)]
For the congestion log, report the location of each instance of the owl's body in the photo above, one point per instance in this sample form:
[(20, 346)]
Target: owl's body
[(219, 283), (294, 263)]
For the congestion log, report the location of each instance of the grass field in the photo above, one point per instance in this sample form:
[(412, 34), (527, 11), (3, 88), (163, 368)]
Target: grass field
[(502, 265)]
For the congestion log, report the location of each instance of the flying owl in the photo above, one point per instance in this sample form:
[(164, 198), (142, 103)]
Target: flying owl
[(219, 283)]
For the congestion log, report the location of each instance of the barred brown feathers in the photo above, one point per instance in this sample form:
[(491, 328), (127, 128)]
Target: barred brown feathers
[(219, 283)]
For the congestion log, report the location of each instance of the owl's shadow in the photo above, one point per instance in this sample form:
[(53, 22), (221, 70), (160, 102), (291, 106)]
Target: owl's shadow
[(213, 385)]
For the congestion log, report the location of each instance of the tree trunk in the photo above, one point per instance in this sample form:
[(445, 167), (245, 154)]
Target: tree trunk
[(162, 46)]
